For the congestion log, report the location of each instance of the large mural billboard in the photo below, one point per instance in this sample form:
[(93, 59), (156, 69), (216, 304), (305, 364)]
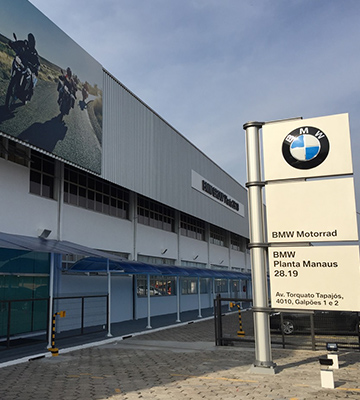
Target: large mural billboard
[(50, 88)]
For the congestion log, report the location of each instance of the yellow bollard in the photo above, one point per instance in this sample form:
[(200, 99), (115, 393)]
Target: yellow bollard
[(55, 351), (240, 332)]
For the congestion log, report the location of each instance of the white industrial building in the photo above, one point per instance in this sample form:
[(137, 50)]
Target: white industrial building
[(158, 209)]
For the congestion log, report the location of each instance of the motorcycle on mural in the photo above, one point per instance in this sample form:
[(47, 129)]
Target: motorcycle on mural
[(67, 93), (24, 71)]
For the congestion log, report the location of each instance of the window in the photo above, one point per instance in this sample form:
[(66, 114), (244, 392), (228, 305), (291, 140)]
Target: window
[(235, 287), (87, 191), (155, 260), (189, 286), (217, 236), (221, 285), (13, 151), (192, 264), (204, 282), (204, 285), (155, 214), (159, 285), (192, 227), (237, 242), (30, 312), (3, 147), (42, 175), (68, 260)]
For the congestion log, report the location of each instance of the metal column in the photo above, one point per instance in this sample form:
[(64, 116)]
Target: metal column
[(229, 293), (199, 297), (148, 303), (263, 358), (178, 298), (51, 297), (109, 297)]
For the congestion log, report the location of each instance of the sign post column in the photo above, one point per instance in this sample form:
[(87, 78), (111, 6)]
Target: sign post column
[(263, 357)]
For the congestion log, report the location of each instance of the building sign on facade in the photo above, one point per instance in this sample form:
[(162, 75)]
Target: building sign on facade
[(208, 189), (50, 88)]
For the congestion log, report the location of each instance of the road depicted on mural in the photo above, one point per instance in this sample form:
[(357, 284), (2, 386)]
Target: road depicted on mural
[(39, 123)]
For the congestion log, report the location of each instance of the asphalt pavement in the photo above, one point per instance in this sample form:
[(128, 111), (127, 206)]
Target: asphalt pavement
[(177, 362)]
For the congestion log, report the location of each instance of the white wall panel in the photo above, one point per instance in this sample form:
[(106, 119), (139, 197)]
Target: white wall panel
[(219, 255), (83, 285), (239, 259), (96, 230), (152, 241), (159, 305), (21, 212), (121, 298), (192, 248), (190, 302)]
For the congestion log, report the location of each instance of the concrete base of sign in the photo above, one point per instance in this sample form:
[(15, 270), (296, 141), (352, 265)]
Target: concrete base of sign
[(262, 370)]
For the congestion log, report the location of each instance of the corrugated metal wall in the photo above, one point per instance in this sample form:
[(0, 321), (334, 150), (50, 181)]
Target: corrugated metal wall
[(146, 155)]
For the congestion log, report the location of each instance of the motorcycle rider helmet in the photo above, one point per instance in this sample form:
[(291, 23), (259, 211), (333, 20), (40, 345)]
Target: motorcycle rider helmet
[(31, 41)]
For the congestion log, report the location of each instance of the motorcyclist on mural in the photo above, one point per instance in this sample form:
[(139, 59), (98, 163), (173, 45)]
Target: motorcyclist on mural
[(24, 70), (85, 91), (67, 92)]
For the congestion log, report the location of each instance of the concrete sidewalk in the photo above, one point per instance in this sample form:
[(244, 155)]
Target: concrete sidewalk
[(36, 346), (176, 363)]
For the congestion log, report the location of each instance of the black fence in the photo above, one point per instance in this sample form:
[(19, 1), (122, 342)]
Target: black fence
[(292, 328), (26, 321), (229, 328), (289, 329)]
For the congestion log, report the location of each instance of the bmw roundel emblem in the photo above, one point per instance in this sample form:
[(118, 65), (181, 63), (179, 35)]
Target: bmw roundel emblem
[(305, 147)]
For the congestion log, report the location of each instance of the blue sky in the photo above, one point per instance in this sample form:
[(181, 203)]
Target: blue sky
[(209, 66)]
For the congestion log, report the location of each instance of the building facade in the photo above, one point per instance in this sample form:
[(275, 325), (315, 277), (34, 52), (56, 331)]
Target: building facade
[(150, 197)]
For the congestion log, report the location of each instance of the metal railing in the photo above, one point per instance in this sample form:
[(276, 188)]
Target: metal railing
[(23, 317), (25, 320), (295, 328), (84, 315), (289, 328)]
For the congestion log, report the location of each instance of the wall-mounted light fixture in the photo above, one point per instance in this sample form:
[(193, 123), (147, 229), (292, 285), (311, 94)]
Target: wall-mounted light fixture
[(163, 251), (43, 233)]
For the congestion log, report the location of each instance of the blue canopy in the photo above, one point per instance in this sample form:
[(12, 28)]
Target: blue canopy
[(99, 265)]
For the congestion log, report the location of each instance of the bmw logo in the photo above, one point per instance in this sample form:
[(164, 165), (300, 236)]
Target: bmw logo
[(305, 147)]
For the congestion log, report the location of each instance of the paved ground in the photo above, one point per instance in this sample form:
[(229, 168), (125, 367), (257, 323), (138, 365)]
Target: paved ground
[(176, 363)]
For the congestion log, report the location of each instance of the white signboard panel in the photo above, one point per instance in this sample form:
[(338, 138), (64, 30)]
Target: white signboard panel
[(311, 211), (307, 148), (315, 278)]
